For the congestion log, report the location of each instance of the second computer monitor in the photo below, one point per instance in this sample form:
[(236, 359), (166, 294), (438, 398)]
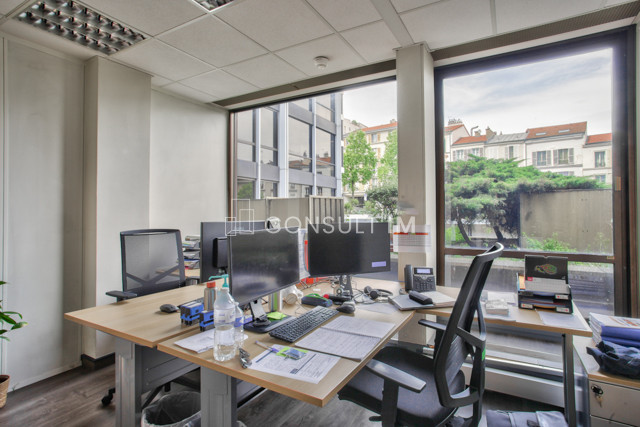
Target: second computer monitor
[(348, 248)]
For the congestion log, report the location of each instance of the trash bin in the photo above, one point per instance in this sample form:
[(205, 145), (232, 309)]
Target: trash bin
[(180, 409)]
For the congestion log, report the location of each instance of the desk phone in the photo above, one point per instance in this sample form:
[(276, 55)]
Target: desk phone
[(419, 279)]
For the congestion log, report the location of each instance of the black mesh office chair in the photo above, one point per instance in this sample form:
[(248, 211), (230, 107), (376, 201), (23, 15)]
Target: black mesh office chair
[(407, 388), (152, 261)]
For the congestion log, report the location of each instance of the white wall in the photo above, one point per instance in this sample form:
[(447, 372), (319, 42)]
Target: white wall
[(42, 196), (188, 164)]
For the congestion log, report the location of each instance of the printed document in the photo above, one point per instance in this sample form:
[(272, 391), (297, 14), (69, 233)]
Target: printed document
[(198, 342), (346, 336), (310, 368)]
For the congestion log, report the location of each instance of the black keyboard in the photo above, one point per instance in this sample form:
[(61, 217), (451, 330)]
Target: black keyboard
[(294, 329)]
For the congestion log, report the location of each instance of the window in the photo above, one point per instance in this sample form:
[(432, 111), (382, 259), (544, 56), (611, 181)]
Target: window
[(299, 190), (541, 211), (324, 107), (268, 189), (326, 191), (268, 136), (600, 160), (374, 138), (246, 138), (245, 189), (509, 152), (476, 151), (299, 145)]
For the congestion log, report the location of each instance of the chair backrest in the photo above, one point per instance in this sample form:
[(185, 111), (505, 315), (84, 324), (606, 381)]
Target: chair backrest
[(457, 342), (152, 260)]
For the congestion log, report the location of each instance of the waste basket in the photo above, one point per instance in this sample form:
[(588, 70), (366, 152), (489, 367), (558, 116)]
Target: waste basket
[(180, 409)]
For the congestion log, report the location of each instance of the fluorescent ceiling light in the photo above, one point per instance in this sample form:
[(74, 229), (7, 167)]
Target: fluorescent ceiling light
[(78, 23)]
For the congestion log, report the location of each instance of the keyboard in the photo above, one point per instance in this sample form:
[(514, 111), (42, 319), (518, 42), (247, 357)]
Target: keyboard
[(294, 329)]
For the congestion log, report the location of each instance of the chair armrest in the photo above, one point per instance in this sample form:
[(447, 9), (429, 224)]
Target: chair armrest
[(121, 294), (395, 375), (433, 325)]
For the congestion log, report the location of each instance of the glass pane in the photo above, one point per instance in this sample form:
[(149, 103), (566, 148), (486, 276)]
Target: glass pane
[(268, 128), (303, 103), (245, 189), (244, 131), (324, 100), (268, 157), (245, 152), (268, 189), (324, 112), (299, 190), (299, 138), (326, 191), (528, 177), (300, 163), (325, 169), (324, 146)]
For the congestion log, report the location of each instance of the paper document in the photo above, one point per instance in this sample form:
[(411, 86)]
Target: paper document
[(346, 336), (551, 318), (311, 368), (198, 342)]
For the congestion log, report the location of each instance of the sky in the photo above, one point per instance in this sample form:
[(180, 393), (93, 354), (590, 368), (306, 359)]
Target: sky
[(566, 90)]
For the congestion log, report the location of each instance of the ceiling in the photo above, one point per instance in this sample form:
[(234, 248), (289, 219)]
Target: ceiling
[(248, 46)]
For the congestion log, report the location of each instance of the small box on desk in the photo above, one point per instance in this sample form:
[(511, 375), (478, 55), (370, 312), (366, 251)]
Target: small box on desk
[(553, 294)]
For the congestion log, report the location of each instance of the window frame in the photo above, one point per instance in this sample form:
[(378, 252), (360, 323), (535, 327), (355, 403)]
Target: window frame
[(625, 251)]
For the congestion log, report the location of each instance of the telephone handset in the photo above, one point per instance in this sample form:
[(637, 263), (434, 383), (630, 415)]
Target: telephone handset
[(420, 279)]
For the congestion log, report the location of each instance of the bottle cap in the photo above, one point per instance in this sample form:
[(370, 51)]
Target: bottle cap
[(211, 284)]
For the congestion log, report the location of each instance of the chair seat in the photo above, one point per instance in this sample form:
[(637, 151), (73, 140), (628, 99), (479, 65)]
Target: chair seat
[(422, 408)]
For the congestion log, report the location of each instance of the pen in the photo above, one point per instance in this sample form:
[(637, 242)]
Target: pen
[(271, 349)]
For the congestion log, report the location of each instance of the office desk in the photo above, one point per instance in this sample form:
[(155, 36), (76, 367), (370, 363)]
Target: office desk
[(217, 385), (138, 326)]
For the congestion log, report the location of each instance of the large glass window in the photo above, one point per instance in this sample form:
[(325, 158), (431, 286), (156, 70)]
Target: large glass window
[(245, 136), (268, 136), (324, 107), (246, 189), (268, 189), (299, 145)]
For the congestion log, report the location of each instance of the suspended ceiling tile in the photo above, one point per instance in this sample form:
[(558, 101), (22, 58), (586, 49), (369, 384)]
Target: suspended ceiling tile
[(149, 16), (513, 15), (343, 15), (275, 24), (213, 41), (187, 92), (375, 42), (219, 83), (265, 71), (616, 2), (163, 60), (449, 23), (404, 5), (6, 6), (157, 81), (340, 55)]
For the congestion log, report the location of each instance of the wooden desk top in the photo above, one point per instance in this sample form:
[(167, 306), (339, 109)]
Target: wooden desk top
[(593, 369), (139, 319), (318, 394)]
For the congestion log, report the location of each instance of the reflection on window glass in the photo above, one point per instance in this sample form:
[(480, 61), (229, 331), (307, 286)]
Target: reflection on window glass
[(299, 138), (300, 163), (245, 152), (542, 193), (325, 169), (326, 191), (299, 190), (324, 146), (268, 128), (324, 112), (268, 189), (303, 103), (245, 189), (245, 126), (268, 157)]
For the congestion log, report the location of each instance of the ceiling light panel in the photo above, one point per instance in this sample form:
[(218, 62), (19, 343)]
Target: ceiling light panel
[(76, 22)]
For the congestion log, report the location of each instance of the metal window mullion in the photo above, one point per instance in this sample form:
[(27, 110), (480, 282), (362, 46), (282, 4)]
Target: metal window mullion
[(283, 150), (257, 113), (314, 170)]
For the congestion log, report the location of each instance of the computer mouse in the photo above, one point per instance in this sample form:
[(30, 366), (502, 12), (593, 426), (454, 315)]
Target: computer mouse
[(168, 308), (347, 307)]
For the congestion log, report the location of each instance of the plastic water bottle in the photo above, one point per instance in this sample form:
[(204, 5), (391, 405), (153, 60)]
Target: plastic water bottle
[(224, 313), (239, 326)]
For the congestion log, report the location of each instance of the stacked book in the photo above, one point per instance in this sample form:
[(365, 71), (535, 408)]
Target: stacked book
[(618, 330)]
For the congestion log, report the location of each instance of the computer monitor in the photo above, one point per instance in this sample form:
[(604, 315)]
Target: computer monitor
[(213, 244), (260, 264), (348, 248)]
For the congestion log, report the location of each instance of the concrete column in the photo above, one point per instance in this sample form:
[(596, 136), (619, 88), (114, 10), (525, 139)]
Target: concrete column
[(416, 159)]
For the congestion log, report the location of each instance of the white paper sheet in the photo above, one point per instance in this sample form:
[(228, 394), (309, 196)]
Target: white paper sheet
[(551, 318), (311, 368), (198, 342)]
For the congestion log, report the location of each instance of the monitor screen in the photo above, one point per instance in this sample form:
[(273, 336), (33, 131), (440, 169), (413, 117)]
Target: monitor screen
[(213, 244), (262, 263), (348, 248)]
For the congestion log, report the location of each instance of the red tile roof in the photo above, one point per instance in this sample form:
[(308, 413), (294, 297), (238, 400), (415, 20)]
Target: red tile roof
[(381, 127), (452, 127), (470, 140), (547, 131), (602, 137)]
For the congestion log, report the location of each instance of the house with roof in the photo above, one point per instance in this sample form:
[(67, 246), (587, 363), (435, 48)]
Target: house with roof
[(556, 148), (596, 157), (378, 136), (452, 132)]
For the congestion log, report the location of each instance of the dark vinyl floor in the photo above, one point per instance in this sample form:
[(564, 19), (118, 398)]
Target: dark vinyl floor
[(73, 399)]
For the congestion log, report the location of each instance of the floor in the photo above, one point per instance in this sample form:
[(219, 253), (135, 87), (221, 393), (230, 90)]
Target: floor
[(72, 399)]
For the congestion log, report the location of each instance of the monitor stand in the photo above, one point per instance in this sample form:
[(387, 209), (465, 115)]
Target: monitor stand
[(345, 286), (261, 324)]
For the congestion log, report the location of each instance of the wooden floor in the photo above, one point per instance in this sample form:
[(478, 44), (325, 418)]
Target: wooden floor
[(73, 399)]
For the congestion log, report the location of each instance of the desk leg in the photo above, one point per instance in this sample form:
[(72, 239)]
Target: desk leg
[(128, 384), (218, 399), (569, 384)]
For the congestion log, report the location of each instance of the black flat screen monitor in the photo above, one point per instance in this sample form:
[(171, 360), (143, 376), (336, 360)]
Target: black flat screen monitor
[(261, 264), (213, 244), (348, 248)]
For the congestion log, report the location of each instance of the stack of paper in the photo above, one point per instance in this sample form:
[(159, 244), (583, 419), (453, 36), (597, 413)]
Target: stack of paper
[(618, 330)]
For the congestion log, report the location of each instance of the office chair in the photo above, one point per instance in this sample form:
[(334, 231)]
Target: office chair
[(407, 388), (152, 261)]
